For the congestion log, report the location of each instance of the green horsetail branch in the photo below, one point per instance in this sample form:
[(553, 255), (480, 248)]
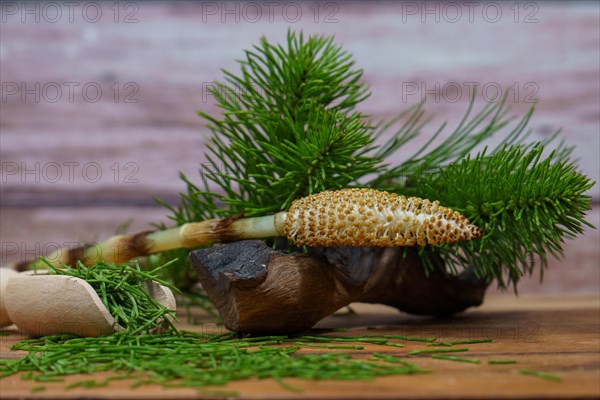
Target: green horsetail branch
[(347, 217)]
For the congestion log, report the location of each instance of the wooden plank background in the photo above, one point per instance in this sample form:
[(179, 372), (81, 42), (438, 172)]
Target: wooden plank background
[(153, 62)]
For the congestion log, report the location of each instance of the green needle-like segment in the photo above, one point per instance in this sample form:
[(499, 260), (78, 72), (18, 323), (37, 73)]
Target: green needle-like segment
[(121, 288), (453, 350), (459, 342), (411, 338), (333, 346), (454, 358), (540, 374)]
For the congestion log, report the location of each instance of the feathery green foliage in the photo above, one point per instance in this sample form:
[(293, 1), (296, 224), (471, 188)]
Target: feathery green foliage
[(289, 128), (122, 290), (527, 205)]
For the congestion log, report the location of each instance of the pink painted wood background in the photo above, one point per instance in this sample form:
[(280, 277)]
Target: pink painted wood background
[(74, 168)]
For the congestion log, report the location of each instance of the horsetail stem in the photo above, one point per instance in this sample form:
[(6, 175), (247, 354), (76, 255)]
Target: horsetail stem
[(411, 338), (454, 358), (473, 341), (347, 217), (393, 359), (540, 374), (453, 350), (333, 346)]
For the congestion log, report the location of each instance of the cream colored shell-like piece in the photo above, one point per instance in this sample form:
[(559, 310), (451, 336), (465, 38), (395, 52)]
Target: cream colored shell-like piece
[(368, 217)]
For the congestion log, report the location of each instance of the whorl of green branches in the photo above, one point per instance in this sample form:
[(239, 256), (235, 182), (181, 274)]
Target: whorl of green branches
[(289, 128), (527, 205)]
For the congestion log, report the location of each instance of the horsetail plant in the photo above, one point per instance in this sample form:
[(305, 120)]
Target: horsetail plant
[(347, 217), (290, 128), (292, 156)]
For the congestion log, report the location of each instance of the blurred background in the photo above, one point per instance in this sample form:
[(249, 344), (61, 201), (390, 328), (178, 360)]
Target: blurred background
[(99, 99)]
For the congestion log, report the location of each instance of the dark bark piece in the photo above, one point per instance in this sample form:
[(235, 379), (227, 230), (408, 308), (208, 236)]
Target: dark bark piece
[(387, 277), (259, 289)]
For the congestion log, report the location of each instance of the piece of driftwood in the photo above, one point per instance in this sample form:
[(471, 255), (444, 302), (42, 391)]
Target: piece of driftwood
[(259, 289)]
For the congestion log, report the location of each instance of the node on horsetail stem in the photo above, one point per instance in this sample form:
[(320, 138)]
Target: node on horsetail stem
[(368, 217)]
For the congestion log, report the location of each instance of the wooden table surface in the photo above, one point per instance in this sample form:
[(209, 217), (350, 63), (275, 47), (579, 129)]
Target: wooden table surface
[(558, 335)]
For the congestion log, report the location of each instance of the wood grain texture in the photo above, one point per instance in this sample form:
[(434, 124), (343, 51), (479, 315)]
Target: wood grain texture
[(558, 335)]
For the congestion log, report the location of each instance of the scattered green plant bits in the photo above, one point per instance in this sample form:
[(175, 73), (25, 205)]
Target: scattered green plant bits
[(454, 358), (186, 359), (121, 289), (541, 374)]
